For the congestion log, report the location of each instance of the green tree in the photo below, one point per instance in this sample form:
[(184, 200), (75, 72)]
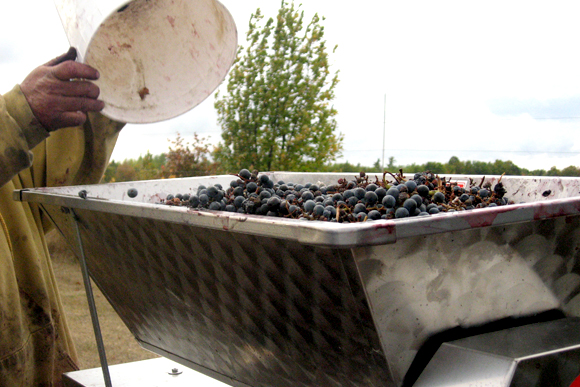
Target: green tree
[(186, 159), (277, 113)]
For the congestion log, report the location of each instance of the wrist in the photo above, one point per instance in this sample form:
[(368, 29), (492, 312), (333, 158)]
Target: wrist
[(19, 109)]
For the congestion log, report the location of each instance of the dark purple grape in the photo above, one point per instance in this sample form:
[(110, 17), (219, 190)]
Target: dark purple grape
[(401, 212), (194, 201), (411, 185), (318, 210), (418, 199), (371, 198), (389, 201), (374, 215), (251, 187), (423, 190), (381, 193), (244, 173), (359, 193), (439, 197), (238, 201), (360, 207), (332, 210), (307, 195), (337, 197), (410, 205), (132, 192), (394, 192), (309, 206)]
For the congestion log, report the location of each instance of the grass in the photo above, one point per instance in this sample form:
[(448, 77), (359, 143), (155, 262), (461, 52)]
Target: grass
[(120, 345)]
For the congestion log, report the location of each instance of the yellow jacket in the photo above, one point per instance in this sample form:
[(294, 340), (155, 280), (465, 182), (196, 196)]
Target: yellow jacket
[(35, 344)]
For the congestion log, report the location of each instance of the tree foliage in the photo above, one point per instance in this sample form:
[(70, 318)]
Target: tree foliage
[(144, 168), (277, 113), (186, 159), (456, 166)]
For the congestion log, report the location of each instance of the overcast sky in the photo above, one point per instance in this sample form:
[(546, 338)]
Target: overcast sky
[(480, 81)]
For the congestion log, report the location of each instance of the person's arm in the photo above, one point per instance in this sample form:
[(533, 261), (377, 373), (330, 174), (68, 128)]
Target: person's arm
[(58, 94), (18, 135)]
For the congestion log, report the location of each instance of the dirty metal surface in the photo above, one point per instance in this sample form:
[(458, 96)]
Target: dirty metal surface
[(261, 311), (535, 355), (280, 302)]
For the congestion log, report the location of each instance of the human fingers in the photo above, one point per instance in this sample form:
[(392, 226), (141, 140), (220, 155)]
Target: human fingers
[(77, 88), (80, 104), (70, 119), (71, 54), (68, 70)]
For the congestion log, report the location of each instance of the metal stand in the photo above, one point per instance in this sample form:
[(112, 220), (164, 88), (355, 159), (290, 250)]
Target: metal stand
[(92, 306)]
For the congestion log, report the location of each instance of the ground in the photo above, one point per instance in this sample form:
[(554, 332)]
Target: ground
[(120, 345)]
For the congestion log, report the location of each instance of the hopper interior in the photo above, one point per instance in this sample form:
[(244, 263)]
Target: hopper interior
[(261, 301)]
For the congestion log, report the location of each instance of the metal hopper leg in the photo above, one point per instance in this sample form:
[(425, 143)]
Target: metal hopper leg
[(92, 306)]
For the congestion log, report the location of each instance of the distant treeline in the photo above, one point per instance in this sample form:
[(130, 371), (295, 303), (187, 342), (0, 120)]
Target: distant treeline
[(182, 161)]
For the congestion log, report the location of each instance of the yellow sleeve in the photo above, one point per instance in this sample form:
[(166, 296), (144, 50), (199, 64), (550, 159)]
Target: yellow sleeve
[(18, 134), (69, 156)]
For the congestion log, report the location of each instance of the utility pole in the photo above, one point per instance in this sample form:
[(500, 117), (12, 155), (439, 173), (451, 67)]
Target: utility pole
[(384, 129)]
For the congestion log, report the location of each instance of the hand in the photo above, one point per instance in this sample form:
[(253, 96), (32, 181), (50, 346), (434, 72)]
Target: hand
[(60, 94)]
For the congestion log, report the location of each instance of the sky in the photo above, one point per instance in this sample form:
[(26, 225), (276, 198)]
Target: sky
[(419, 81)]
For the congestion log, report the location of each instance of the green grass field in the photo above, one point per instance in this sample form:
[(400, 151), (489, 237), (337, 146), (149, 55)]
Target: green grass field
[(120, 345)]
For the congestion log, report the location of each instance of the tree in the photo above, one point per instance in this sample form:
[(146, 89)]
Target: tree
[(277, 112), (186, 159)]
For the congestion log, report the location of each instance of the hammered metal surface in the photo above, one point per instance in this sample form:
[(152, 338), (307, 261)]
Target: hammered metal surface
[(262, 311), (421, 286), (250, 298)]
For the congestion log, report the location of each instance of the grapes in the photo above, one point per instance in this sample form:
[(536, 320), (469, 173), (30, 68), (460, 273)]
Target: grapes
[(439, 197), (401, 212), (394, 192), (423, 190), (371, 198), (132, 192), (411, 185), (245, 174), (251, 187), (389, 201), (410, 205), (356, 200), (309, 206)]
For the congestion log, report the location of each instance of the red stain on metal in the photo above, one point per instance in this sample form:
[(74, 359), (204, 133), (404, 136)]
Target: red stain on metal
[(212, 47), (389, 227), (171, 21), (481, 219), (553, 210)]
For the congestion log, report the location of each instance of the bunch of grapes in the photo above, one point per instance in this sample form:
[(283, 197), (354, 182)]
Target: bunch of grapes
[(357, 200)]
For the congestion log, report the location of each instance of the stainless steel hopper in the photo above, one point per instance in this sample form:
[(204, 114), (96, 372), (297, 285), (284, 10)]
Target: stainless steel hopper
[(260, 301)]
